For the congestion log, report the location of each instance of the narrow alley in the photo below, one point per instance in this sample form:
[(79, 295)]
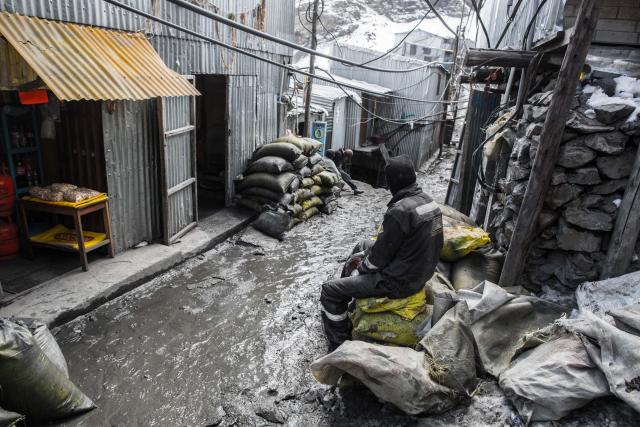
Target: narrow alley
[(227, 338)]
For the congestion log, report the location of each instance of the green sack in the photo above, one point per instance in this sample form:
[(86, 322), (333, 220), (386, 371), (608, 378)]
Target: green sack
[(301, 195), (314, 145), (303, 145), (387, 327), (326, 179), (295, 209), (450, 212), (309, 213), (31, 383), (270, 164), (278, 183), (250, 204), (285, 150), (317, 168), (307, 182), (294, 222), (314, 201), (484, 263)]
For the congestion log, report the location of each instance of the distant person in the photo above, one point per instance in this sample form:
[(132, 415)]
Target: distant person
[(403, 257), (347, 157), (333, 161)]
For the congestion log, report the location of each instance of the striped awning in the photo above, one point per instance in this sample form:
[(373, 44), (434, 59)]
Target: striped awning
[(79, 62)]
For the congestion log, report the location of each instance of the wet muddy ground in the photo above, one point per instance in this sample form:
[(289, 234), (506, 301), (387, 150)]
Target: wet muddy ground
[(227, 338)]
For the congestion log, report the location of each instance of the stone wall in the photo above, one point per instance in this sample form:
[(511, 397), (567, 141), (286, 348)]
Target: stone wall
[(595, 160)]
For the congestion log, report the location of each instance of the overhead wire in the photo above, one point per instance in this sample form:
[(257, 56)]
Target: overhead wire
[(435, 12), (249, 53), (484, 29), (214, 16), (508, 24)]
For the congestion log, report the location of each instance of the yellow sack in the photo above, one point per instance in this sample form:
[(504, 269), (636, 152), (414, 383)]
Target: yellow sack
[(388, 327), (407, 308), (312, 202), (460, 240)]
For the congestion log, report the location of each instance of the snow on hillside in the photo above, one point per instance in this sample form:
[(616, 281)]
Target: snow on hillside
[(374, 23)]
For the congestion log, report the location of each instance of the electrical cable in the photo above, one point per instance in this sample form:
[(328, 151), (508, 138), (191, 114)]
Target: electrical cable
[(231, 23), (508, 24), (248, 53), (405, 98), (531, 22), (435, 12), (484, 29)]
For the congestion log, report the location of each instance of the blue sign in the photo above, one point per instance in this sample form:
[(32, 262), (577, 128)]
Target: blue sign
[(319, 133)]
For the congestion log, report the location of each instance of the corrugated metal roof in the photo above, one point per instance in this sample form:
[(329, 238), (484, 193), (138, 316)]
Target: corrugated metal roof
[(79, 62)]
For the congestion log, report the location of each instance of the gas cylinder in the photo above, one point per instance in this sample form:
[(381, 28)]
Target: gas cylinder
[(7, 193), (9, 241)]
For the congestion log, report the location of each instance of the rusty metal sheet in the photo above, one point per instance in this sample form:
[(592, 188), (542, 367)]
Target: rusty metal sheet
[(80, 62)]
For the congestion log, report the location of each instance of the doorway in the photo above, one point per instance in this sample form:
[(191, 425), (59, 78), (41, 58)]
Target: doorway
[(211, 142)]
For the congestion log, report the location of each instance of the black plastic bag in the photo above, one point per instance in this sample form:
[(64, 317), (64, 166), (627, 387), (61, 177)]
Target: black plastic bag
[(273, 223)]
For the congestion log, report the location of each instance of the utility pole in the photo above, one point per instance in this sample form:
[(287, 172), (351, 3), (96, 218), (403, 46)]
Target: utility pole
[(312, 70)]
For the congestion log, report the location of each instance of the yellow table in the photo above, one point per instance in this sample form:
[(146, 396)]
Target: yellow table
[(85, 241)]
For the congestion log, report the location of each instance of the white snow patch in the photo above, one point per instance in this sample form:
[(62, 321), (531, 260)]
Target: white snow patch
[(599, 98), (628, 86)]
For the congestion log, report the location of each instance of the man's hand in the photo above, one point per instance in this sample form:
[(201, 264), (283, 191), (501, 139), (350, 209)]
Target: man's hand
[(351, 266)]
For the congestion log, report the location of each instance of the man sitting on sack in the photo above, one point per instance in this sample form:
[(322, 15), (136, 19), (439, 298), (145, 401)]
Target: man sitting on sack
[(401, 260)]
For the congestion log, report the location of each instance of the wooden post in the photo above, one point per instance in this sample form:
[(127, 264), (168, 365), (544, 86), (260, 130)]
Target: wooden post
[(627, 227), (550, 140)]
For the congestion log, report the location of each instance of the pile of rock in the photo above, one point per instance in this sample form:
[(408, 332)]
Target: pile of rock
[(594, 163)]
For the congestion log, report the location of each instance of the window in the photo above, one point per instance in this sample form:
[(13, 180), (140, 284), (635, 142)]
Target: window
[(426, 51), (413, 49)]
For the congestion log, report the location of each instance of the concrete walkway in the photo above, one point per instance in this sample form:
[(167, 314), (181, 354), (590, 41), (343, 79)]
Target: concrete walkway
[(78, 292)]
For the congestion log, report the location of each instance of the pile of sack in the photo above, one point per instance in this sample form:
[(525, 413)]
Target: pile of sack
[(287, 183), (34, 377), (467, 259), (62, 192), (547, 361)]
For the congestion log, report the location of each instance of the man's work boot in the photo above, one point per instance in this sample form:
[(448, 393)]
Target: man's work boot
[(357, 191)]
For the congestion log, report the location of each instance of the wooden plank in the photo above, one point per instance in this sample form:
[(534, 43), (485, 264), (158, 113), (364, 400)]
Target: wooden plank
[(179, 131), (626, 229), (182, 185), (498, 58), (550, 140), (164, 198)]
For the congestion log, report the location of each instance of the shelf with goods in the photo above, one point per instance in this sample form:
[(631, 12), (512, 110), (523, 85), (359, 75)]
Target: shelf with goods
[(19, 131)]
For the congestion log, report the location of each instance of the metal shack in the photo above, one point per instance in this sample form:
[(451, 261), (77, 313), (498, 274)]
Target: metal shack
[(123, 104), (411, 127)]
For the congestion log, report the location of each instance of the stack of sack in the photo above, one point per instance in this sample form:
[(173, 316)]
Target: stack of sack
[(286, 183), (34, 377), (467, 259)]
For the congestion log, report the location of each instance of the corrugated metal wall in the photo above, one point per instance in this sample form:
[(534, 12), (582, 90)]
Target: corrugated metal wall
[(242, 129), (426, 84), (495, 13), (131, 156), (278, 18), (353, 116), (185, 55)]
